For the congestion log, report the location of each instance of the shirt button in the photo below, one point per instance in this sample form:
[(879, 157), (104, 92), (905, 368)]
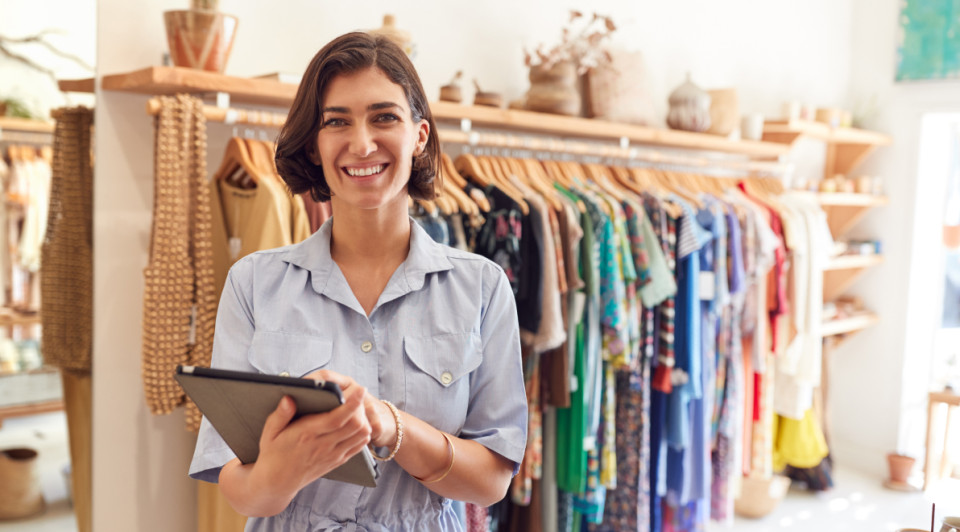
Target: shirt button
[(446, 378), (284, 374), (366, 347)]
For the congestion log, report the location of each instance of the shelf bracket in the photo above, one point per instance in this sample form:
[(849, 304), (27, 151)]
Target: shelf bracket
[(223, 99)]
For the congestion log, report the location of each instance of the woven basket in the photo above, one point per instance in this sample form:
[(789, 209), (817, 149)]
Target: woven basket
[(20, 492), (760, 496)]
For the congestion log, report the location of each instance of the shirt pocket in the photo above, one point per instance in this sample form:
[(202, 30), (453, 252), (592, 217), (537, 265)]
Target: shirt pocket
[(287, 354), (438, 377)]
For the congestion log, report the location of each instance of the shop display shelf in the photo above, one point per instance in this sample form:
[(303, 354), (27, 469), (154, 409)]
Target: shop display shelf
[(856, 322), (159, 80), (841, 272), (843, 199), (847, 147), (850, 262), (9, 123)]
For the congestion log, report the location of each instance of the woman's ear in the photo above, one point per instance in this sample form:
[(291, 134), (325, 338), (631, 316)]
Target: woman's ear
[(423, 136), (314, 157)]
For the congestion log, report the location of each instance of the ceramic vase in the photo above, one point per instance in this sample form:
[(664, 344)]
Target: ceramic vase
[(200, 39), (689, 108)]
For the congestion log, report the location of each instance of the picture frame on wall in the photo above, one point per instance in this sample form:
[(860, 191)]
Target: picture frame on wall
[(928, 41)]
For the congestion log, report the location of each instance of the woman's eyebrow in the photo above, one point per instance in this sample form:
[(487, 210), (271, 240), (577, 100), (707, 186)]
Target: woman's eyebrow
[(372, 107)]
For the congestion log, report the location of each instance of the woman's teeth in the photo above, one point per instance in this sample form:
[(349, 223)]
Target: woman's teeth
[(362, 172)]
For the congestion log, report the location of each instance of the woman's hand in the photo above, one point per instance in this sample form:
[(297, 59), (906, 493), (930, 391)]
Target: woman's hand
[(383, 428), (294, 454)]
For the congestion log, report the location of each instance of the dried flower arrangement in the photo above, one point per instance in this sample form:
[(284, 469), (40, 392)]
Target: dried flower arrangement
[(581, 46)]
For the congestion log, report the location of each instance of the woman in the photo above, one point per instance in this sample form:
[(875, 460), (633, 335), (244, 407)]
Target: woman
[(422, 338)]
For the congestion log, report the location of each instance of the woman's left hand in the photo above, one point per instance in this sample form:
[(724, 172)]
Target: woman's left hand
[(383, 428)]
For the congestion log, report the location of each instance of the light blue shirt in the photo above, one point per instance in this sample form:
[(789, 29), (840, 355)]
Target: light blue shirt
[(442, 344)]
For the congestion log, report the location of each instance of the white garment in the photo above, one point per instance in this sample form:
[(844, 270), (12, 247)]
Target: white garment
[(799, 370), (38, 176)]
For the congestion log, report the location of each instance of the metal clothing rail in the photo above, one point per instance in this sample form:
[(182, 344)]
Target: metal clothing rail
[(230, 116), (608, 153), (536, 146)]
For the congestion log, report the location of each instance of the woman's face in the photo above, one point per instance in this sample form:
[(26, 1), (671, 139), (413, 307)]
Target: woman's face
[(367, 139)]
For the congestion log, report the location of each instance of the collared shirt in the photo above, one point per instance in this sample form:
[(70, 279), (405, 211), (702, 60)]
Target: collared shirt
[(442, 343)]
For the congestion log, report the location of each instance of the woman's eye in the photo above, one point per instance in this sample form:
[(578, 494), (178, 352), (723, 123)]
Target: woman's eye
[(387, 117), (335, 122)]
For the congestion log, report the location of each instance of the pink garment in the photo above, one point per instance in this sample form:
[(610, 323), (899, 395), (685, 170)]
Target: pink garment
[(476, 518), (317, 212)]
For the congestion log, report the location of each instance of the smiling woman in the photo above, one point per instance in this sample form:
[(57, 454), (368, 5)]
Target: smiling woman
[(422, 338)]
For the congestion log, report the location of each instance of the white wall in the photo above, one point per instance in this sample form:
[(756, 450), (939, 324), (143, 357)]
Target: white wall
[(74, 24), (881, 376), (766, 49)]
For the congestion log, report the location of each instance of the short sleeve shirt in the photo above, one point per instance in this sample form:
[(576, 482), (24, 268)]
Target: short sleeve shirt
[(442, 343)]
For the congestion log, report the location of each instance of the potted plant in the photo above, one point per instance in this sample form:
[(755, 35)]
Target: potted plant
[(900, 467), (200, 37), (555, 74)]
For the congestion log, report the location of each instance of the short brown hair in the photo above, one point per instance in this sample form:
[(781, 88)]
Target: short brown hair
[(347, 54)]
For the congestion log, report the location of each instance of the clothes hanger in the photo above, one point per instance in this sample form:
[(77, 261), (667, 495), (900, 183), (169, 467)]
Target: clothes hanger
[(552, 174), (501, 180), (649, 180), (457, 181), (602, 177), (237, 161), (468, 165), (541, 183), (622, 177)]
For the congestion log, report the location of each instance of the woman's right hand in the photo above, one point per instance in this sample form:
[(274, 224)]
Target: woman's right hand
[(294, 454)]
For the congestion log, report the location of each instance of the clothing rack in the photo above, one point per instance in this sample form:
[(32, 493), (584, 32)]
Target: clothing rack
[(539, 146)]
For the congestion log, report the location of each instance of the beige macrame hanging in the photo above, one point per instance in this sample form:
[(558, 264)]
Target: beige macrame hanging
[(179, 306), (67, 252)]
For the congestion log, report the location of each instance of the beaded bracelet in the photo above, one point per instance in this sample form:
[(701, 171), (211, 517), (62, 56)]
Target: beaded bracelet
[(399, 422), (453, 457)]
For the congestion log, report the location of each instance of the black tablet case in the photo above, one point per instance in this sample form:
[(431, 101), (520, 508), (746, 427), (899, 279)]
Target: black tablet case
[(237, 405)]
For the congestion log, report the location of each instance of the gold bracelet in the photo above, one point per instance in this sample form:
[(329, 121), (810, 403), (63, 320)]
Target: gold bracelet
[(453, 456), (399, 422)]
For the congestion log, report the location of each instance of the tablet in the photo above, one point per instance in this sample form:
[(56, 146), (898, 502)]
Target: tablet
[(237, 404)]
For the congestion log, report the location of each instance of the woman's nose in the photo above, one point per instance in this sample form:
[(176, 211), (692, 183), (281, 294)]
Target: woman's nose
[(362, 141)]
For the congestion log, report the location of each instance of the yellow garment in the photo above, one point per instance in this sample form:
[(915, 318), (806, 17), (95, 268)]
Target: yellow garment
[(300, 223), (799, 442), (255, 219)]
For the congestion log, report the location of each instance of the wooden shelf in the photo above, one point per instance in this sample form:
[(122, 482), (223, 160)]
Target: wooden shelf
[(843, 199), (847, 262), (844, 210), (30, 409), (572, 127), (847, 325), (9, 123), (841, 272), (171, 80), (846, 147), (788, 131), (159, 80), (77, 85)]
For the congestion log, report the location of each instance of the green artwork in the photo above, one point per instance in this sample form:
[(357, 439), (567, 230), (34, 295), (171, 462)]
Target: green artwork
[(929, 40)]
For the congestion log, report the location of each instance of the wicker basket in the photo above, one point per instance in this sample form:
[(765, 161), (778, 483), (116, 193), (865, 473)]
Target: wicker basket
[(760, 496), (20, 492)]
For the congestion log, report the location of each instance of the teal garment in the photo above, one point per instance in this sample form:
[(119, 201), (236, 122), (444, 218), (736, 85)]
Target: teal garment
[(662, 284)]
